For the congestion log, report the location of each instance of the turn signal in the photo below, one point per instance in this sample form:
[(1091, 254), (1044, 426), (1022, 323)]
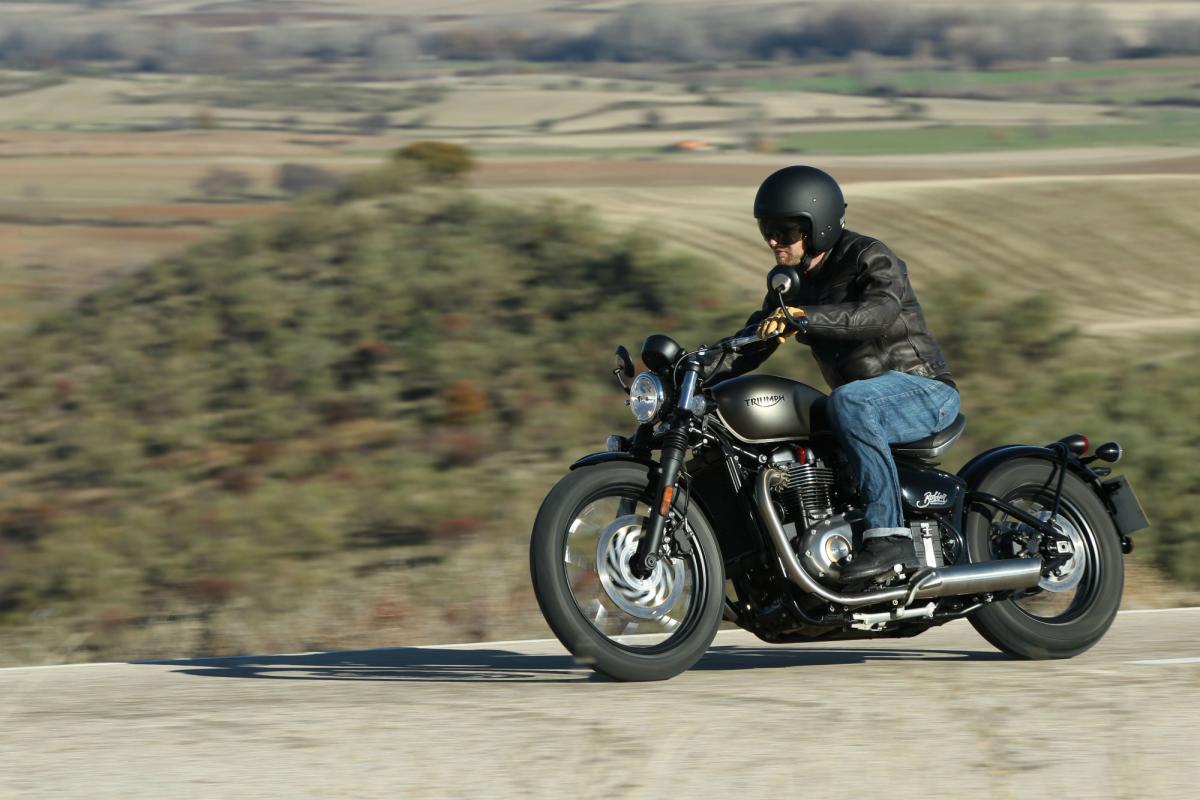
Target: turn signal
[(1110, 452)]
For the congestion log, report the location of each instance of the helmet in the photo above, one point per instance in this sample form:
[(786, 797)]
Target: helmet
[(808, 193)]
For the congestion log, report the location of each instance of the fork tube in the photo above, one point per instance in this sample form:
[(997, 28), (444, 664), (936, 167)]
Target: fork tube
[(675, 445)]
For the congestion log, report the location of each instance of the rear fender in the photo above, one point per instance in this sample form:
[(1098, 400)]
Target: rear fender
[(975, 470)]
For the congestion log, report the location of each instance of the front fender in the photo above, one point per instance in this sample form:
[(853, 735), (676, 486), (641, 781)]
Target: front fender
[(607, 456)]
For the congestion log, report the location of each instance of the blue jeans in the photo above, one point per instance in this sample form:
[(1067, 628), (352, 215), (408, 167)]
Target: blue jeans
[(870, 414)]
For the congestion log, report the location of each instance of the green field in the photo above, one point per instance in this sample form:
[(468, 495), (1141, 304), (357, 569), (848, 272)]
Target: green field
[(1180, 128), (922, 81)]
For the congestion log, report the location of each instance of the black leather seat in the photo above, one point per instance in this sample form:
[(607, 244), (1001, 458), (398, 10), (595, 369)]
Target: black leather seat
[(934, 444)]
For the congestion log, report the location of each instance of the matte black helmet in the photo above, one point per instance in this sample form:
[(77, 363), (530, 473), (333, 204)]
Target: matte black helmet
[(807, 193)]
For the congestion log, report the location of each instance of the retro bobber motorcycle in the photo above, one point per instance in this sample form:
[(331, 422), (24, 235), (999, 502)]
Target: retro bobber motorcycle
[(640, 551)]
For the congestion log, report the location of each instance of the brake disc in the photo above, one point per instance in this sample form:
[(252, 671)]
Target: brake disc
[(648, 598)]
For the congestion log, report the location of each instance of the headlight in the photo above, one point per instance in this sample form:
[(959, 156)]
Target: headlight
[(646, 396)]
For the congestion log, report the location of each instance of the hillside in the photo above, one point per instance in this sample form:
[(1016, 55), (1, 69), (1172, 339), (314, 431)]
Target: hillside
[(949, 228), (332, 429), (320, 405)]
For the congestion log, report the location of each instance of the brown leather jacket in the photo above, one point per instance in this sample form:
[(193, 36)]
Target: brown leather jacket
[(861, 319)]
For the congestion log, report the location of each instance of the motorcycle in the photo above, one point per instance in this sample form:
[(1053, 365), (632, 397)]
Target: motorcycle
[(637, 559)]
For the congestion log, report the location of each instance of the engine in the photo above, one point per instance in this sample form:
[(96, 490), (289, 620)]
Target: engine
[(807, 494), (823, 536)]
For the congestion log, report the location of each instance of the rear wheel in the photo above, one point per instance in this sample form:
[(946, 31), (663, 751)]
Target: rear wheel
[(1080, 591), (628, 628)]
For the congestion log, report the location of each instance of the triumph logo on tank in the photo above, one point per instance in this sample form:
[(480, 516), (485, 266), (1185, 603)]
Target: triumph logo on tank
[(932, 499), (765, 401)]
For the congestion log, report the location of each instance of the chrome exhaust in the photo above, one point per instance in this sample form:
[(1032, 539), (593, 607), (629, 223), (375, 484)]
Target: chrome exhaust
[(988, 576)]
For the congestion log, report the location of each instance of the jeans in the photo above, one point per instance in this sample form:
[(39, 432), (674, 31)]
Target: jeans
[(870, 414)]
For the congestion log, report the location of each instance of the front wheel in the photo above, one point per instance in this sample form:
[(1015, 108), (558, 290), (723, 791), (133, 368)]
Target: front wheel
[(627, 628), (1077, 599)]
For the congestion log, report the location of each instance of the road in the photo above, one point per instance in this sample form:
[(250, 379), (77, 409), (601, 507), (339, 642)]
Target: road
[(942, 715)]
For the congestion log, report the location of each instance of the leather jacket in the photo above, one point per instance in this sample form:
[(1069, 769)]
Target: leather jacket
[(861, 319)]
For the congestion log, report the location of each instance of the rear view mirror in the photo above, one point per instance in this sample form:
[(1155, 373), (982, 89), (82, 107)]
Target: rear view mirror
[(624, 370), (782, 279)]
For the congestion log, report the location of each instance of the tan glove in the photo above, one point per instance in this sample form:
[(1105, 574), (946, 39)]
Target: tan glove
[(777, 323)]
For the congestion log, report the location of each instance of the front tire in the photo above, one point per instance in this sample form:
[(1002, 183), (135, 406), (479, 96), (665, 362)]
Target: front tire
[(1068, 613), (627, 629)]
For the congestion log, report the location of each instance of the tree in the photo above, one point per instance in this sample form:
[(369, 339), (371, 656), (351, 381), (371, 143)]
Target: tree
[(220, 182), (299, 178), (439, 159), (372, 124)]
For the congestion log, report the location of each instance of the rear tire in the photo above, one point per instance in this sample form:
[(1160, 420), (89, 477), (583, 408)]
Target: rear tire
[(1016, 625), (576, 621)]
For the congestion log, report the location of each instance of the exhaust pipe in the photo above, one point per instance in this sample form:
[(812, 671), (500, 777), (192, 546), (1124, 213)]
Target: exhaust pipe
[(989, 576)]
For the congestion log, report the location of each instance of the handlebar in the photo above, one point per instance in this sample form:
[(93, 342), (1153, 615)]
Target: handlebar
[(736, 342)]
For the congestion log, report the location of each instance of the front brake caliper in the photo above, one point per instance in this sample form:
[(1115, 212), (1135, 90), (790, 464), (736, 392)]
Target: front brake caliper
[(678, 535)]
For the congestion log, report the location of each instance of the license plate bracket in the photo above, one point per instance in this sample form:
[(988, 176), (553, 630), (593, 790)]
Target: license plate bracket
[(1127, 512)]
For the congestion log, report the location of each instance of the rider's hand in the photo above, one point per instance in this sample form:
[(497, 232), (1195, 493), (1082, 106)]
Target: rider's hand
[(777, 323)]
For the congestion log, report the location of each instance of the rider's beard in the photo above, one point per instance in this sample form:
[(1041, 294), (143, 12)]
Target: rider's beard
[(788, 258)]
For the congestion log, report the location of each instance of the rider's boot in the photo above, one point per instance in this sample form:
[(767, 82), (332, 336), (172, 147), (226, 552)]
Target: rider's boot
[(883, 549)]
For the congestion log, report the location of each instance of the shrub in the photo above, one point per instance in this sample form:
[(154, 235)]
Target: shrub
[(299, 178), (371, 124), (386, 180), (439, 159), (220, 182)]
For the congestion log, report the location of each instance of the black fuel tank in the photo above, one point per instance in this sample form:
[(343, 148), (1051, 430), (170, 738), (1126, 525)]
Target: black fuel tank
[(765, 408)]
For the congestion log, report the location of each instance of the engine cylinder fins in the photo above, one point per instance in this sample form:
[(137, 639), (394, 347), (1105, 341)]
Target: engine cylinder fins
[(808, 489)]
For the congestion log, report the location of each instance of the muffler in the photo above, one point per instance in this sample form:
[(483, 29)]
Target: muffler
[(988, 576)]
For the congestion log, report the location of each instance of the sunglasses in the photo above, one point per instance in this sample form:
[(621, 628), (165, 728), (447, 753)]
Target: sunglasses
[(783, 231)]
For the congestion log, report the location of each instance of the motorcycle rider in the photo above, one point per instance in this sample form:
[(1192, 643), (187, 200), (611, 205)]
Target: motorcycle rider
[(860, 317)]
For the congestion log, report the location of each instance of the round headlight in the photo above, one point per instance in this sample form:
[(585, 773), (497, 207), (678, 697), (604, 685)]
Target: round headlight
[(646, 396)]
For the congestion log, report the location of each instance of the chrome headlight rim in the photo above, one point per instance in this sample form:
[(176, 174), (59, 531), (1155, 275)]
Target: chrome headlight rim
[(646, 396)]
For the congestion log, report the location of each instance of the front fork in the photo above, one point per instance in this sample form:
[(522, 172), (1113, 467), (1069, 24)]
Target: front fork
[(674, 448)]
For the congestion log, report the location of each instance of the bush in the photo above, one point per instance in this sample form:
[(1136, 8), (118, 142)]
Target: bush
[(438, 159), (222, 183), (371, 124), (300, 178), (386, 180)]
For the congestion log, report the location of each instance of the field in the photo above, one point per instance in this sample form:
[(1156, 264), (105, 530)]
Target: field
[(96, 182)]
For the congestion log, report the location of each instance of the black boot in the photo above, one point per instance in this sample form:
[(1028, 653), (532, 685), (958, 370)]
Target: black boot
[(880, 554)]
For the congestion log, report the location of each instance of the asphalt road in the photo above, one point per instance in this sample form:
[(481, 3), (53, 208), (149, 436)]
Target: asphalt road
[(941, 715)]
